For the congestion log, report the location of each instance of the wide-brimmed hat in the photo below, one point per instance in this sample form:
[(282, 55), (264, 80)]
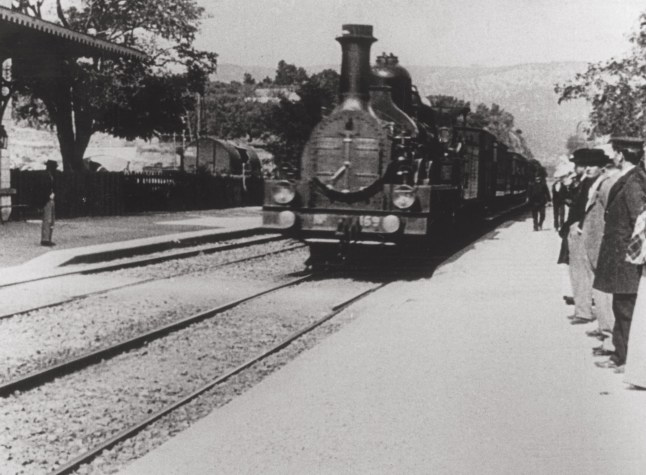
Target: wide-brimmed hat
[(590, 157)]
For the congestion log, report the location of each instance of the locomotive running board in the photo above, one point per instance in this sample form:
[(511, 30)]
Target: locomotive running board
[(336, 241)]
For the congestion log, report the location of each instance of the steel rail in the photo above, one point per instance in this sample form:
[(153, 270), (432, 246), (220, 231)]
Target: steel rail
[(141, 261), (145, 281), (88, 456), (37, 378)]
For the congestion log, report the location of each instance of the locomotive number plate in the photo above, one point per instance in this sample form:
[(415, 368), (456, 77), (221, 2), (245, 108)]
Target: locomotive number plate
[(367, 223), (319, 219), (370, 221)]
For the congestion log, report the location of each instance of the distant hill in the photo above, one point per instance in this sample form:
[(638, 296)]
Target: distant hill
[(525, 90)]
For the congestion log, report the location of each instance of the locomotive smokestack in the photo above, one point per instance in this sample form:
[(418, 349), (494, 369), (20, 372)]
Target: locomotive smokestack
[(355, 64)]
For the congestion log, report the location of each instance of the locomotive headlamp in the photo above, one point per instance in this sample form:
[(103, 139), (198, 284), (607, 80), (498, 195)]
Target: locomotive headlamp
[(403, 196), (286, 219), (391, 223), (444, 135), (283, 192)]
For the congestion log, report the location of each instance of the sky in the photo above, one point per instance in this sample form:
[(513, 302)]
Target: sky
[(421, 32)]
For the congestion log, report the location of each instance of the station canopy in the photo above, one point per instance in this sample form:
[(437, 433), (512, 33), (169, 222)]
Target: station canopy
[(25, 37)]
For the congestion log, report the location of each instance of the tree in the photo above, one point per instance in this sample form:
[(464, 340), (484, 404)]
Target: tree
[(289, 74), (126, 98), (440, 100), (319, 95), (248, 79), (232, 112), (615, 88)]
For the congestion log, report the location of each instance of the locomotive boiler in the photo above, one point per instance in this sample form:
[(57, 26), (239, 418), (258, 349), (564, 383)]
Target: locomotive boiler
[(386, 169)]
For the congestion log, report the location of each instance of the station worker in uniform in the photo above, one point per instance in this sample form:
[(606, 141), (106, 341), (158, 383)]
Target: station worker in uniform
[(572, 231), (49, 210), (601, 169), (614, 274)]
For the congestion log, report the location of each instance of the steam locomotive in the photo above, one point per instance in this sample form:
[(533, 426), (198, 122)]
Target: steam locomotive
[(386, 169)]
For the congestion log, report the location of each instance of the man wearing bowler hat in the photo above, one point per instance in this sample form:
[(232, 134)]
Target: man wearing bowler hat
[(49, 212), (599, 168), (614, 275)]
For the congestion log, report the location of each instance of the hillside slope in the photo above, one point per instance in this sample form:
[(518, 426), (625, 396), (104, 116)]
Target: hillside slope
[(527, 91)]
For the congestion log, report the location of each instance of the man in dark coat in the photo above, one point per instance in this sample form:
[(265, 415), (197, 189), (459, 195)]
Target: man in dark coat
[(614, 275), (538, 195), (47, 202), (559, 193), (573, 184)]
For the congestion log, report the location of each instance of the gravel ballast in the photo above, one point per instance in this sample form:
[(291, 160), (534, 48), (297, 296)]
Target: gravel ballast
[(32, 341), (80, 410)]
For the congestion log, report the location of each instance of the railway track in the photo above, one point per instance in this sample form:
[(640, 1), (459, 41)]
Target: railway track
[(145, 281), (132, 430), (44, 375), (141, 261)]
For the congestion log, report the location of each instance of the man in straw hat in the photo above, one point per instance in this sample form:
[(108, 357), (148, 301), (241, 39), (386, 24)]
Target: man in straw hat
[(614, 275)]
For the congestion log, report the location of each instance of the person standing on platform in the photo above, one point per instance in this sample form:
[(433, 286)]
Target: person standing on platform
[(572, 233), (600, 169), (49, 210), (538, 196), (572, 184), (614, 274), (559, 193), (636, 357)]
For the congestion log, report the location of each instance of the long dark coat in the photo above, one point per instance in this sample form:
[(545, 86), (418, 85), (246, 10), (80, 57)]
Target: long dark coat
[(626, 199), (558, 196), (538, 194)]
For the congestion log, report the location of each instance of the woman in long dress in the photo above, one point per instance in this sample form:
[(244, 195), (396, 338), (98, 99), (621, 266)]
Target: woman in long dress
[(636, 358)]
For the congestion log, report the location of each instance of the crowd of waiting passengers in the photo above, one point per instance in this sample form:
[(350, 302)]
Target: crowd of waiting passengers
[(604, 245)]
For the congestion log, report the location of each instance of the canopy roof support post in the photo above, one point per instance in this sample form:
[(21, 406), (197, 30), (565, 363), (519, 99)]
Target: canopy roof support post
[(5, 173)]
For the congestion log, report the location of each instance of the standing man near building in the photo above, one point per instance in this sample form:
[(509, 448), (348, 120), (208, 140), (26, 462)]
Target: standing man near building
[(592, 227), (49, 210), (614, 275)]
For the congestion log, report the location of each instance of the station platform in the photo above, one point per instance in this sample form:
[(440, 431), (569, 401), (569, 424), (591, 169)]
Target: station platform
[(85, 240), (473, 370)]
